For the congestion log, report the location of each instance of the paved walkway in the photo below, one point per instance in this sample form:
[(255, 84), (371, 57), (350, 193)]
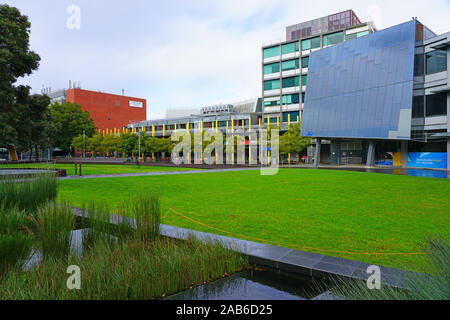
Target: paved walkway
[(144, 174)]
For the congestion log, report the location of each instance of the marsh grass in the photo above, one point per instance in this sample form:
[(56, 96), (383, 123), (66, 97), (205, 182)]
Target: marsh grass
[(15, 240), (14, 249), (97, 226), (433, 286), (54, 223), (131, 270), (125, 260), (27, 194), (146, 210)]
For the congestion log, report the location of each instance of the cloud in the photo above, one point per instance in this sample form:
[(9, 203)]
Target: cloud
[(184, 53)]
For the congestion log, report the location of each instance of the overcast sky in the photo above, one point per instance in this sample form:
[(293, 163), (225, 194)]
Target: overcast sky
[(184, 53)]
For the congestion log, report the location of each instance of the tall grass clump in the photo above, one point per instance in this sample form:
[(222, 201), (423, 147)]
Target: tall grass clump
[(54, 223), (130, 270), (28, 194), (15, 240), (97, 227), (146, 210), (432, 286)]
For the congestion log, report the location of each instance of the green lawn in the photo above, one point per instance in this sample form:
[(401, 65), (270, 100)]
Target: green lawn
[(91, 169), (330, 210)]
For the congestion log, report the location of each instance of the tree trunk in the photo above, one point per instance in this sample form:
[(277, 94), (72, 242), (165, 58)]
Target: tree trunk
[(31, 152)]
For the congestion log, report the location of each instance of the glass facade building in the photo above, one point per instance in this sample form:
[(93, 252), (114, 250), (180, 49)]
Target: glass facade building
[(285, 64), (381, 99), (362, 88)]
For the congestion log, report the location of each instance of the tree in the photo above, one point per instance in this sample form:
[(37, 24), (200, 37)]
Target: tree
[(79, 143), (39, 117), (291, 142), (69, 121), (96, 144), (127, 143), (16, 60), (110, 143)]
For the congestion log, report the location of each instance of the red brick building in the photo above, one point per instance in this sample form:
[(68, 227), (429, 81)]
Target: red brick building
[(109, 111)]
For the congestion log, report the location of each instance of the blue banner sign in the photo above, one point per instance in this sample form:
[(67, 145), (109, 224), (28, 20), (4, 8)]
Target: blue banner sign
[(434, 160)]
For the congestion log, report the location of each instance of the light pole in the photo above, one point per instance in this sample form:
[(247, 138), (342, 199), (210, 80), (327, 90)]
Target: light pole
[(139, 155), (84, 144)]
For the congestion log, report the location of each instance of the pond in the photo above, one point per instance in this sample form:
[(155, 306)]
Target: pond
[(255, 285)]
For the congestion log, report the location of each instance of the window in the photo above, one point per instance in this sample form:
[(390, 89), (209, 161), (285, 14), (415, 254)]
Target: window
[(293, 115), (290, 65), (271, 52), (315, 43), (273, 119), (418, 65), (304, 79), (353, 36), (436, 105), (271, 85), (303, 97), (306, 44), (289, 48), (436, 61), (305, 62), (418, 107), (271, 103), (291, 82), (333, 39), (291, 99), (272, 68)]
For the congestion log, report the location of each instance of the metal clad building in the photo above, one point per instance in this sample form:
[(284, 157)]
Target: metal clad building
[(362, 88)]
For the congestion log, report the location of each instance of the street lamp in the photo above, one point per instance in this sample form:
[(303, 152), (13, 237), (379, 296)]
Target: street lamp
[(84, 144)]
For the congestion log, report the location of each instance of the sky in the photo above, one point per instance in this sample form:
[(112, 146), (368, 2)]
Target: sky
[(182, 53)]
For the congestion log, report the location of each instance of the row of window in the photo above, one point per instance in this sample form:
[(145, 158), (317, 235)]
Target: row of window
[(356, 35), (322, 25), (286, 83), (430, 63), (286, 99), (332, 39), (314, 43), (286, 65), (294, 117), (430, 105)]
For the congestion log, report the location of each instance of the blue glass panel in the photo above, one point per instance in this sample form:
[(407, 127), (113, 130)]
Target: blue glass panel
[(362, 88)]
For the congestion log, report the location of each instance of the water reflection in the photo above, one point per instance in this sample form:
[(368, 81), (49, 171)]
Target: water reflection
[(251, 285)]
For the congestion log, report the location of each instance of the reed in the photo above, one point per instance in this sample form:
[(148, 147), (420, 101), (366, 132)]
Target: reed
[(28, 194), (54, 223), (433, 286), (131, 270)]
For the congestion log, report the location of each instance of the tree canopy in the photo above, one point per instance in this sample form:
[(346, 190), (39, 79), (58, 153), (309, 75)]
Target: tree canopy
[(16, 60), (69, 121), (291, 142)]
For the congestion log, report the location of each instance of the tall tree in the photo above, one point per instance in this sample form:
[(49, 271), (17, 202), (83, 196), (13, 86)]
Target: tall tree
[(68, 121), (16, 60)]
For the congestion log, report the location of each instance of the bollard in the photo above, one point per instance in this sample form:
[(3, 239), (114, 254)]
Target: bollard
[(76, 173), (80, 170)]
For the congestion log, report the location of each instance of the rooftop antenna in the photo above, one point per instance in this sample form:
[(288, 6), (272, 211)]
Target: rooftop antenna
[(123, 92)]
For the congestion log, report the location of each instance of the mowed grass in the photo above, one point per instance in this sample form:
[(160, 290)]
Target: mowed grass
[(94, 169), (313, 210)]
